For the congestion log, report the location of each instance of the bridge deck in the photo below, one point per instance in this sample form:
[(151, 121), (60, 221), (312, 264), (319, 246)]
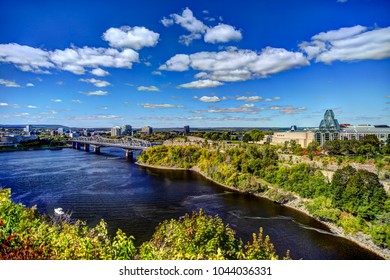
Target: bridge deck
[(124, 143)]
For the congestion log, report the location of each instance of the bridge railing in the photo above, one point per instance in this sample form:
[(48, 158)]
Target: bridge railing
[(122, 142)]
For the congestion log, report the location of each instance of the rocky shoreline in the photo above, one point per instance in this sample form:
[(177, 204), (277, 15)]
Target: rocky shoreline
[(359, 238)]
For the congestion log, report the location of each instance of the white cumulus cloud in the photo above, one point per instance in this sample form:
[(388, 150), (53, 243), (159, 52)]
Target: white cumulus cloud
[(56, 100), (164, 105), (73, 59), (179, 62), (250, 98), (237, 64), (136, 37), (95, 82), (97, 92), (349, 44), (99, 72), (26, 58), (147, 88), (8, 83), (201, 84), (222, 33), (210, 99)]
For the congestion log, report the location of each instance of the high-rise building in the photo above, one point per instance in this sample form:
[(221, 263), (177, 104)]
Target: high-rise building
[(147, 130), (127, 129), (28, 129), (116, 131), (186, 129), (60, 130)]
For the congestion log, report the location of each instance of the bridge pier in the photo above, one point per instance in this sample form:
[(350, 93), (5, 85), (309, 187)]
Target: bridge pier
[(78, 146), (129, 155), (86, 147), (96, 149)]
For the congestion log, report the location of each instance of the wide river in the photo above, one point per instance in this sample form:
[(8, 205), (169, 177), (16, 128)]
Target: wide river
[(137, 199)]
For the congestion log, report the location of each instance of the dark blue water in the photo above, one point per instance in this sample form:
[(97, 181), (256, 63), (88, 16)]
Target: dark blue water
[(137, 199)]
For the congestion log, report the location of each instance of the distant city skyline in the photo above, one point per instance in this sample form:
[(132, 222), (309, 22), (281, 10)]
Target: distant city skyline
[(252, 63)]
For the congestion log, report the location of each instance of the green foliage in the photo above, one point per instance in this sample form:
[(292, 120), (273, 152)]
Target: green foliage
[(322, 208), (25, 234), (368, 146), (359, 192), (260, 248), (197, 237), (354, 197), (203, 237)]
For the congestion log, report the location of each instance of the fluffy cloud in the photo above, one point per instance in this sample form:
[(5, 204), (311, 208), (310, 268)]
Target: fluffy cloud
[(249, 98), (76, 101), (189, 22), (99, 72), (76, 59), (349, 44), (8, 83), (179, 62), (166, 105), (289, 110), (3, 104), (26, 58), (201, 84), (209, 99), (97, 92), (131, 37), (167, 22), (73, 59), (222, 33), (237, 65), (149, 88), (95, 82), (29, 85), (32, 107), (246, 108), (56, 100)]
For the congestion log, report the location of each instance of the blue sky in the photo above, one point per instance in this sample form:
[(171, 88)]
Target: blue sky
[(253, 63)]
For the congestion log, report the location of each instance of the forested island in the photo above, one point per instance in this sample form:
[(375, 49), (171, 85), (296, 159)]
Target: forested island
[(354, 202)]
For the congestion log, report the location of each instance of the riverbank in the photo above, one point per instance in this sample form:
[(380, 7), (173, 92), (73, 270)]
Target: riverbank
[(297, 204), (34, 149)]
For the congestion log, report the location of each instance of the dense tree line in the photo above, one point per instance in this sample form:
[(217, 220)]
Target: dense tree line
[(355, 199), (369, 145), (25, 234)]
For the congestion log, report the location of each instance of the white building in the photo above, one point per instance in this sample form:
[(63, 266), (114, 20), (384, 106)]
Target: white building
[(382, 132), (116, 131)]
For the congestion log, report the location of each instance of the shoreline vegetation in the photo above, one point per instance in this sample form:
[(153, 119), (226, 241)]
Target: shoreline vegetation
[(262, 188)]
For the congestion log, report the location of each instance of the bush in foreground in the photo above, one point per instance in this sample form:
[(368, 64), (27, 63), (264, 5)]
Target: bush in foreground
[(26, 234)]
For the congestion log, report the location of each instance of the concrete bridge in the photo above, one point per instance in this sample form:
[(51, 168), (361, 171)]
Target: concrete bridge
[(129, 144)]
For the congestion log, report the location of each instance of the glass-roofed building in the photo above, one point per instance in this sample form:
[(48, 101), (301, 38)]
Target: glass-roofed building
[(359, 131), (329, 128)]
